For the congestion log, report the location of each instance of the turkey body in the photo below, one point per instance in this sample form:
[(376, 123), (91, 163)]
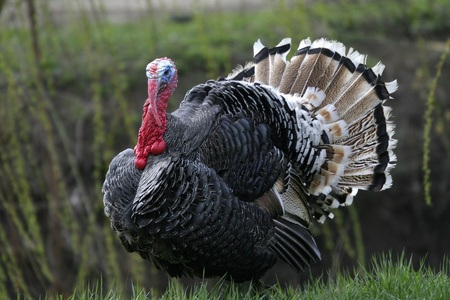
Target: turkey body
[(249, 161)]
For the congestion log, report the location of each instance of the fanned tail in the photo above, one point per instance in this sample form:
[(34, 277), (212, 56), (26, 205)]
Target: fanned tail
[(336, 89)]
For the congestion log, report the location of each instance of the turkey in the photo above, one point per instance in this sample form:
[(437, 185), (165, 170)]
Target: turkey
[(235, 177)]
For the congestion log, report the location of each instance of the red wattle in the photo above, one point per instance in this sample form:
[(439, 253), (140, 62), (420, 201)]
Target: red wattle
[(140, 163), (158, 147)]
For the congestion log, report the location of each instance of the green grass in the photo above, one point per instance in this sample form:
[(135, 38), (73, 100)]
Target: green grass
[(387, 278)]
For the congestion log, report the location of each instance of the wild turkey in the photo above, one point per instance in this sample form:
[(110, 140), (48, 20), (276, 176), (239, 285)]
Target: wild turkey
[(234, 178)]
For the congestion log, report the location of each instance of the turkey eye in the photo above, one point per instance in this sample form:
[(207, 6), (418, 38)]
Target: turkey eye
[(166, 72)]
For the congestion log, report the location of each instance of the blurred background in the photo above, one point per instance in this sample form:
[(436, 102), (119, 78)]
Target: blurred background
[(72, 86)]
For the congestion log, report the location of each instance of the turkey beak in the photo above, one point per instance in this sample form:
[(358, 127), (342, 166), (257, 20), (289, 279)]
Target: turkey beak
[(153, 88)]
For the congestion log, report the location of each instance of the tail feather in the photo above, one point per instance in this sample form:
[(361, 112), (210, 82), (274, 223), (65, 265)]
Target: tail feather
[(336, 55), (243, 73), (321, 58), (262, 63), (340, 82), (293, 67), (304, 73), (372, 182), (277, 60), (365, 104), (357, 88)]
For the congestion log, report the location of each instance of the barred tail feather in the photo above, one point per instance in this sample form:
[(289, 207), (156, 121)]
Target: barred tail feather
[(292, 68), (277, 60), (262, 63)]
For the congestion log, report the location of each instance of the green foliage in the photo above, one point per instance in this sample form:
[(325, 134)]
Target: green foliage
[(428, 124), (411, 18), (71, 94)]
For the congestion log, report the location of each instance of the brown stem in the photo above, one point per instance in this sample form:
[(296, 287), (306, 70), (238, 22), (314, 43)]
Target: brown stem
[(34, 33)]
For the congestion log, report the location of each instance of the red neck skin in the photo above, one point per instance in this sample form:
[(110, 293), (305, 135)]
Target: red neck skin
[(154, 121)]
